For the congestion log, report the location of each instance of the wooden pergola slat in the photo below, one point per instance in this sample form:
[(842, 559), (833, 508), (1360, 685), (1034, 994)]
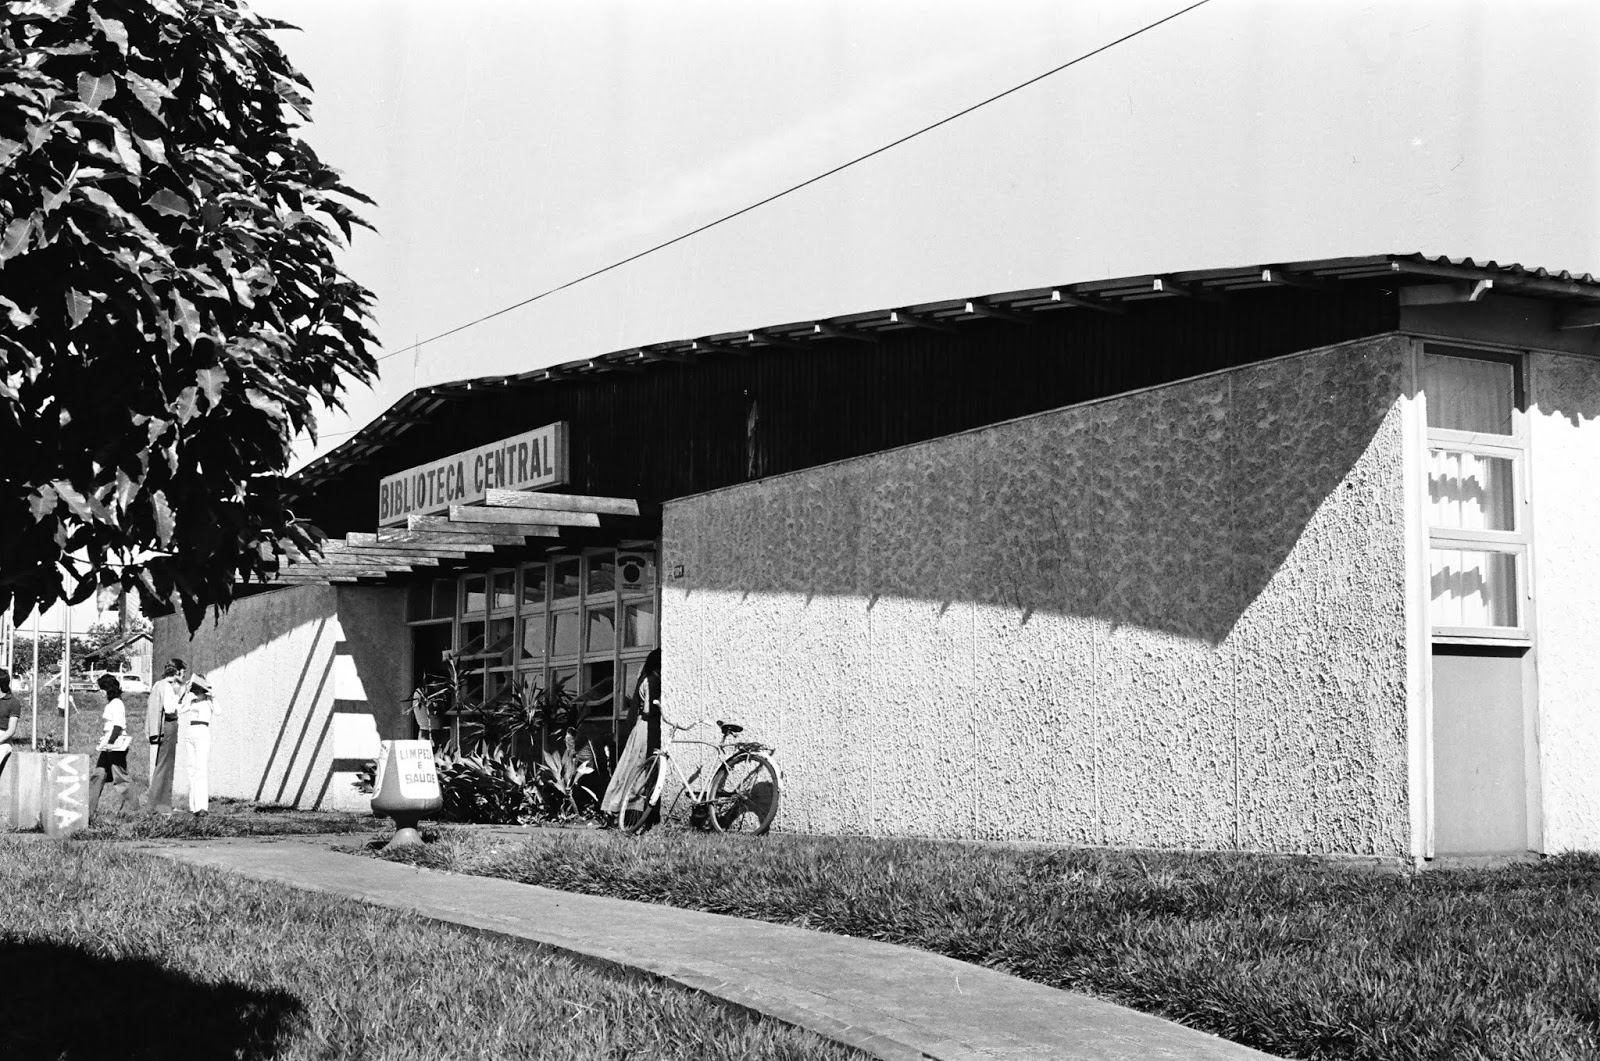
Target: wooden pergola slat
[(543, 502), (516, 516), (447, 525)]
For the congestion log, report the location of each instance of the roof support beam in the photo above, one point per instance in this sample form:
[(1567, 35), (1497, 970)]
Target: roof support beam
[(916, 320), (544, 502), (833, 331), (701, 347), (1273, 275), (1445, 294), (999, 313), (768, 339), (1507, 283), (1063, 298), (1166, 285), (663, 354), (605, 364)]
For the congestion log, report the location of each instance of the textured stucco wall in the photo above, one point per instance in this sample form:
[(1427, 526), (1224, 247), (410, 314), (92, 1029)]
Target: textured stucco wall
[(1564, 451), (1173, 619), (307, 679)]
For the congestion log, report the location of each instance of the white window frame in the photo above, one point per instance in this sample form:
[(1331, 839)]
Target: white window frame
[(1512, 447)]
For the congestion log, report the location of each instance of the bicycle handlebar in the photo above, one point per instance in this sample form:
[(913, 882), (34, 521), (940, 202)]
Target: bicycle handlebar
[(688, 725)]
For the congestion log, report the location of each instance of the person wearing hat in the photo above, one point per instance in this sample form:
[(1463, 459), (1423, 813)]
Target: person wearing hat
[(161, 726), (196, 711)]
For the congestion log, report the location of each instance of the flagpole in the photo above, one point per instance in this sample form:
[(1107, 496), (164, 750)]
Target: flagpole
[(66, 676), (33, 686)]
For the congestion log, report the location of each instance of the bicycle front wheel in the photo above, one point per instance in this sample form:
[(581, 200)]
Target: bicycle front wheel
[(744, 795), (638, 811)]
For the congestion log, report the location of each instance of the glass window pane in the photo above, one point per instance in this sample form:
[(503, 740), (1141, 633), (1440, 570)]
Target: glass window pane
[(564, 680), (1473, 587), (533, 636), (502, 640), (1466, 394), (630, 682), (564, 631), (476, 595), (564, 582), (596, 692), (639, 624), (636, 572), (471, 639), (1470, 492), (602, 629), (533, 586), (472, 691), (603, 572), (504, 590)]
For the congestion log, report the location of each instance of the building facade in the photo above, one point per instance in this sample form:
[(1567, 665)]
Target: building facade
[(1288, 558)]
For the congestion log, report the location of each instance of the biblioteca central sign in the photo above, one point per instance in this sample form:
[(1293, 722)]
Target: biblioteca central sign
[(523, 462)]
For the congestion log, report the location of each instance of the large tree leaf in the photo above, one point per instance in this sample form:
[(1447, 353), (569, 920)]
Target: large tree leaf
[(93, 91)]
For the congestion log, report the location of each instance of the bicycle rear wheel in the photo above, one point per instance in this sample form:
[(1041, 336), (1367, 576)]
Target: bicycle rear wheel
[(744, 795), (637, 812)]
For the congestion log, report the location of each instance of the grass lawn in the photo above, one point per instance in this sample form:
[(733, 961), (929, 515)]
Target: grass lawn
[(108, 953), (1290, 956)]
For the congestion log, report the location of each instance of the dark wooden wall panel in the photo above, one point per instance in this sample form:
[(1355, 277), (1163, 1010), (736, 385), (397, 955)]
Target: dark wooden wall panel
[(680, 428)]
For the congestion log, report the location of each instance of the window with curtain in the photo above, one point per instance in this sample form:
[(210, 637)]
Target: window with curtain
[(1477, 559)]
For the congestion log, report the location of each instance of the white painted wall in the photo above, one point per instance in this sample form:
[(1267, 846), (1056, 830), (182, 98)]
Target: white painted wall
[(1564, 451), (1171, 619)]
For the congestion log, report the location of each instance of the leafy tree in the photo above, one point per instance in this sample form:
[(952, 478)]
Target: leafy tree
[(170, 306), (49, 656), (100, 636)]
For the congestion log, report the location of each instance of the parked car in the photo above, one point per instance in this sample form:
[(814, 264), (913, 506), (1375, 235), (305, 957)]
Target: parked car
[(130, 681)]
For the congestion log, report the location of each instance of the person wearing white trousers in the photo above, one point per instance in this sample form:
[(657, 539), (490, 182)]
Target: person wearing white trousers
[(196, 712)]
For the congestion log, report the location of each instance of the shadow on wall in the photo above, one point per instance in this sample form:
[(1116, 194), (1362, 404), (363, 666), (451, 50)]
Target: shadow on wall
[(1169, 509), (310, 678), (145, 1009)]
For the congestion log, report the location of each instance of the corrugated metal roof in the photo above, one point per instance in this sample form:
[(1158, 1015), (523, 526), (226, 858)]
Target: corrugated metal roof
[(1109, 296)]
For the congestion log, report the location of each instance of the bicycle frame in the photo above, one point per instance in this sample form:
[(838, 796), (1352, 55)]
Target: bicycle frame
[(702, 796)]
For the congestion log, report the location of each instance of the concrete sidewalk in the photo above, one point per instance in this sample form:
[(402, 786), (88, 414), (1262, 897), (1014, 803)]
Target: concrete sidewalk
[(892, 1002)]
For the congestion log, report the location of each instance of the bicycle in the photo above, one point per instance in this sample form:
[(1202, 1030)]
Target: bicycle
[(741, 797)]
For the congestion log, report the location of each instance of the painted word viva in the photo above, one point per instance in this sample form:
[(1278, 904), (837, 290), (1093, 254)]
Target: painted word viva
[(69, 805), (532, 459)]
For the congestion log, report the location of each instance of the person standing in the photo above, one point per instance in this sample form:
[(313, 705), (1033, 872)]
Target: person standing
[(9, 710), (113, 748), (196, 710), (643, 706), (161, 725)]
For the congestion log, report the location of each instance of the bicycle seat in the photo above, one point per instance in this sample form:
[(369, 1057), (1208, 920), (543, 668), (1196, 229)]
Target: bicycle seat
[(729, 729)]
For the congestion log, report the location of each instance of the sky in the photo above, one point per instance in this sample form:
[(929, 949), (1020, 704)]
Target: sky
[(513, 145)]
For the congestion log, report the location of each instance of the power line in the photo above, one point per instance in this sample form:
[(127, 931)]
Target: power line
[(796, 187)]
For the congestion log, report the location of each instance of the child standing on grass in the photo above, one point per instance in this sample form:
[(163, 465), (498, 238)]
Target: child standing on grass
[(113, 748)]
